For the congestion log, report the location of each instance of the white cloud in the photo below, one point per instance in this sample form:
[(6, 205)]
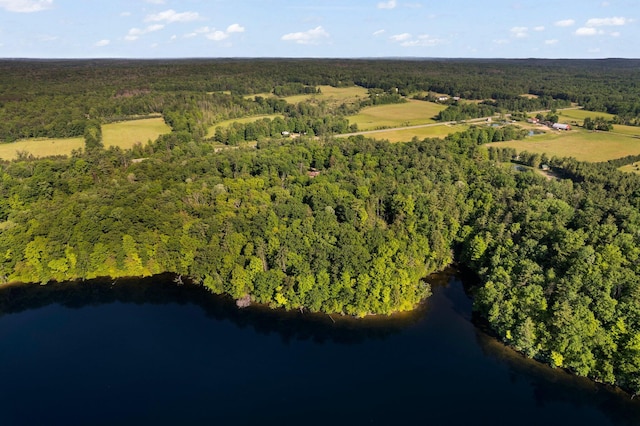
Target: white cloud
[(312, 36), (501, 41), (539, 28), (171, 16), (607, 22), (155, 1), (235, 28), (587, 31), (423, 40), (26, 6), (391, 4), (102, 43), (551, 42), (135, 33), (615, 34), (594, 50), (565, 23), (401, 37), (605, 4), (217, 35), (379, 32), (125, 14), (519, 32)]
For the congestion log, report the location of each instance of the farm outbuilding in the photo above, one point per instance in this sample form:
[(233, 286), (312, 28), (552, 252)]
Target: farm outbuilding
[(559, 126)]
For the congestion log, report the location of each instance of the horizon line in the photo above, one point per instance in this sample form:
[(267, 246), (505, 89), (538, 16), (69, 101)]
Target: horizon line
[(433, 58)]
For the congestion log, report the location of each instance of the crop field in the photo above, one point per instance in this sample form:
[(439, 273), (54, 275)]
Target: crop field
[(405, 135), (226, 123), (123, 134), (337, 95), (580, 144), (411, 113), (627, 130), (578, 115), (40, 147)]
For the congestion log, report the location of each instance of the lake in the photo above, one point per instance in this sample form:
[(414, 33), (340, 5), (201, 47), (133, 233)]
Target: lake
[(152, 352)]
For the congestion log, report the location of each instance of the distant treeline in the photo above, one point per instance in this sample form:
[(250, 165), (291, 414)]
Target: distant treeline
[(55, 98)]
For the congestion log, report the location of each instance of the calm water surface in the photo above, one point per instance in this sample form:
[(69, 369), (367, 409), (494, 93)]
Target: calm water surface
[(150, 352)]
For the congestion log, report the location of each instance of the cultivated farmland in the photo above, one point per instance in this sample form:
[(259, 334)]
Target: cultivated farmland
[(411, 113), (580, 144), (123, 134)]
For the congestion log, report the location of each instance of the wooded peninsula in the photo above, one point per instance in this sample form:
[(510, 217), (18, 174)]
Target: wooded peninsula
[(275, 207)]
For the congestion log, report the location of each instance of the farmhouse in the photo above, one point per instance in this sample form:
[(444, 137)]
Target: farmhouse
[(559, 126)]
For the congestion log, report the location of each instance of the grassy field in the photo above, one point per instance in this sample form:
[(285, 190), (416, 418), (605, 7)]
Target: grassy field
[(626, 130), (631, 168), (578, 115), (124, 135), (212, 130), (396, 115), (127, 133), (580, 144), (405, 135), (337, 95)]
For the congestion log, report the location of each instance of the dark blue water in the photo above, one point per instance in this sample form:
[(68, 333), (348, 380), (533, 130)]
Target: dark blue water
[(151, 352)]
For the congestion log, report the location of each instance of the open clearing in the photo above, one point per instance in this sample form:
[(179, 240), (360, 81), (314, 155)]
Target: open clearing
[(405, 135), (124, 134), (578, 115), (411, 113), (226, 123), (631, 168), (627, 130), (337, 95), (580, 144)]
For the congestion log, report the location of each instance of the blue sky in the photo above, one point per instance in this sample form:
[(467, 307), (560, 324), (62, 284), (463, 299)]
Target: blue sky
[(319, 28)]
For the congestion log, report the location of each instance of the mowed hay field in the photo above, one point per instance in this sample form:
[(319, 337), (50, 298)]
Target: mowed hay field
[(411, 113), (40, 147), (123, 134), (578, 115), (580, 144), (226, 123), (405, 135), (631, 168), (330, 94)]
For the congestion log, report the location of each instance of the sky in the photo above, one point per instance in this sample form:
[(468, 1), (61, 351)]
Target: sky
[(319, 28)]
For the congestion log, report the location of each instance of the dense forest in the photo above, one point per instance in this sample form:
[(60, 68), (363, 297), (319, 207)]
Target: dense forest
[(54, 98), (347, 226)]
